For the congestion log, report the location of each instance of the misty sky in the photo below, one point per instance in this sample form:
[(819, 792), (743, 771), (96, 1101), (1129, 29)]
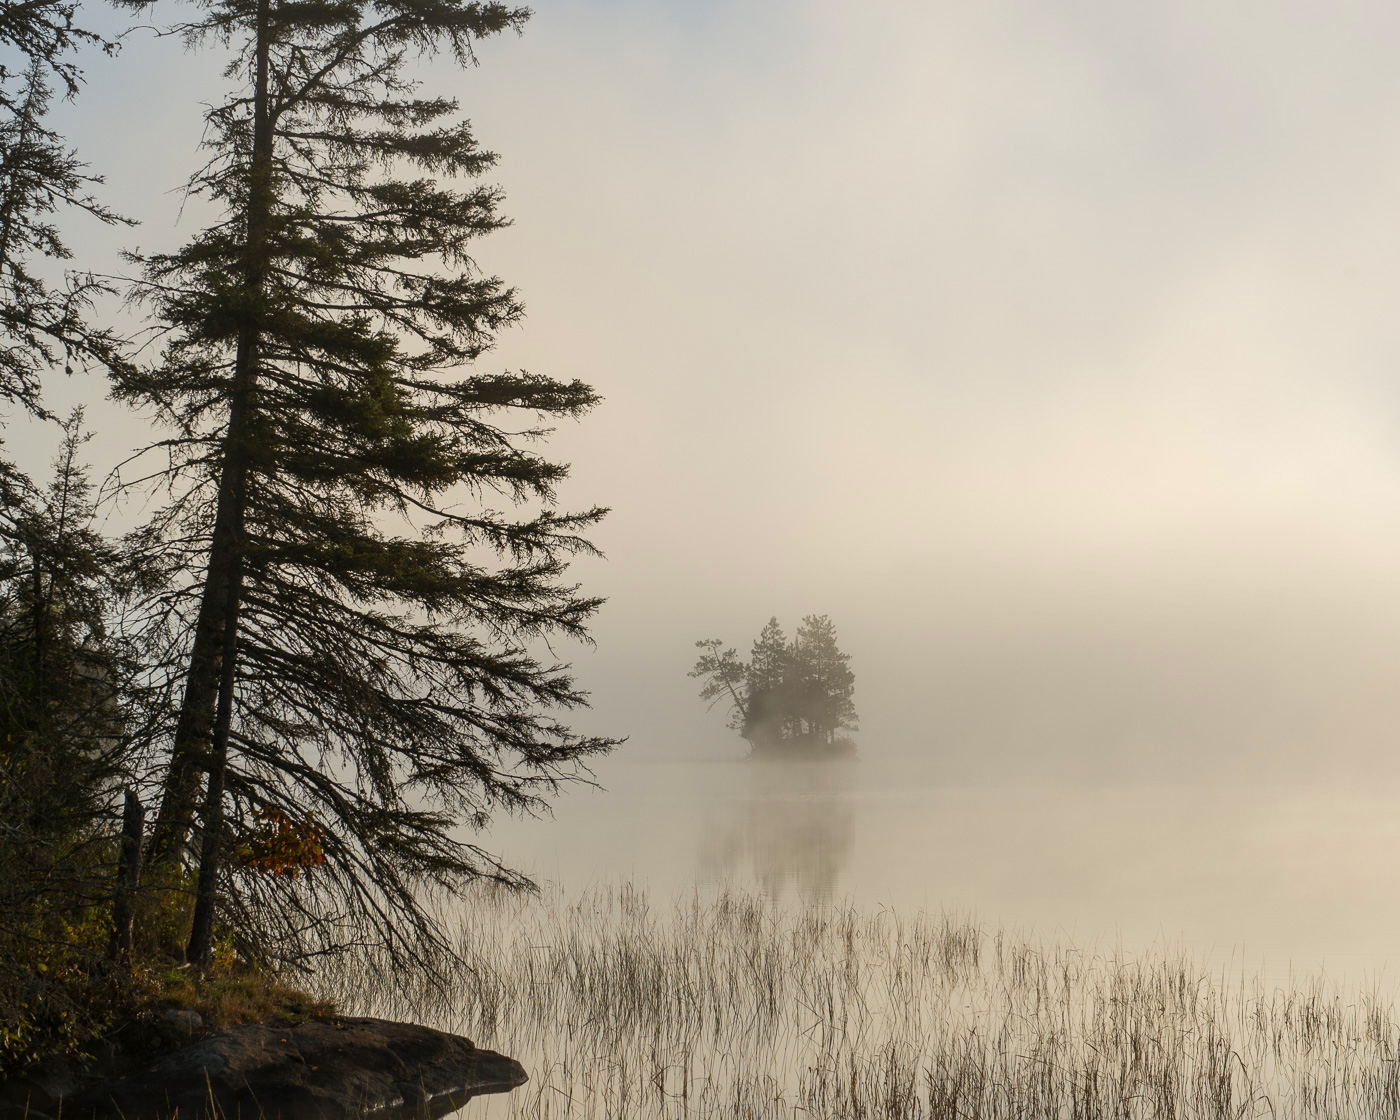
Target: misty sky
[(1049, 348)]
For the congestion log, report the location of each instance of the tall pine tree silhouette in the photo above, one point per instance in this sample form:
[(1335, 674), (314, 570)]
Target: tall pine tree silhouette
[(357, 648)]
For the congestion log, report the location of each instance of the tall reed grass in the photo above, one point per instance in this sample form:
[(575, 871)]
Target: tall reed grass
[(729, 1006)]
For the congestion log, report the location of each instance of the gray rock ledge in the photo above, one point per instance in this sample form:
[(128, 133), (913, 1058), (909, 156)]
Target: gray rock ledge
[(334, 1068)]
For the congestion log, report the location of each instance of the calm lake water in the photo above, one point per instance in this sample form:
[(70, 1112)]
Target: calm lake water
[(1286, 881)]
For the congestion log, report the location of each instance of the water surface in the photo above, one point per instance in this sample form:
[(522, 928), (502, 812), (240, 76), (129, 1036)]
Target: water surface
[(1284, 880)]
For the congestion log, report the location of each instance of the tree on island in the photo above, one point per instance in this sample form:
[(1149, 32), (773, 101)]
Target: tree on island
[(793, 697)]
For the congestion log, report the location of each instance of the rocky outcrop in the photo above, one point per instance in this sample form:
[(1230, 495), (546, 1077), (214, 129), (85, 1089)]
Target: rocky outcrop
[(324, 1069)]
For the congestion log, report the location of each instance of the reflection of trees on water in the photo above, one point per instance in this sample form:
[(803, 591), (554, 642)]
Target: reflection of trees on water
[(791, 826)]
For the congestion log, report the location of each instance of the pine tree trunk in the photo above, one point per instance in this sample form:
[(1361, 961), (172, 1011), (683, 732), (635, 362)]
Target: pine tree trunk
[(192, 729), (198, 748), (128, 878), (211, 849)]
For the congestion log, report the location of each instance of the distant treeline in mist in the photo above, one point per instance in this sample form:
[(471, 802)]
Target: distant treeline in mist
[(792, 697)]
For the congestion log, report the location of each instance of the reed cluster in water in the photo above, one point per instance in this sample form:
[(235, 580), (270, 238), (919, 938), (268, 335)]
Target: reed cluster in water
[(731, 1006)]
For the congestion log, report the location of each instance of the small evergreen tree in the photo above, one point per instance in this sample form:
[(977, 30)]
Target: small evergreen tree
[(724, 676), (767, 681), (65, 730), (356, 648), (822, 682)]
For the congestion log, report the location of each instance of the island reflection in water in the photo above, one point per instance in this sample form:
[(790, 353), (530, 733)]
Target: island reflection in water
[(791, 826)]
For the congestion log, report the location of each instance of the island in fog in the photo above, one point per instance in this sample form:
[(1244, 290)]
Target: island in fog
[(793, 700)]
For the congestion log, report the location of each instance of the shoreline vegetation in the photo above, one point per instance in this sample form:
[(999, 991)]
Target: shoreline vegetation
[(727, 1005), (269, 722)]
